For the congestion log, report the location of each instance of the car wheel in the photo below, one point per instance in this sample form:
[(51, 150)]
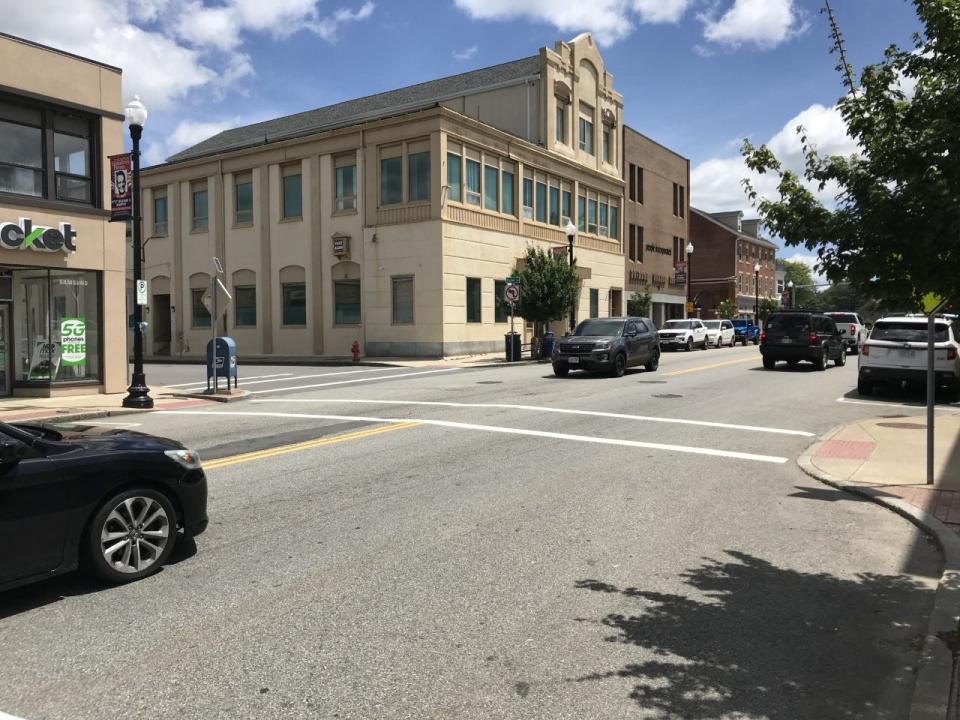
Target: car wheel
[(733, 340), (654, 362), (769, 363), (952, 394), (841, 358), (689, 344), (821, 361), (619, 365), (864, 387), (756, 340), (743, 341), (131, 535), (561, 370), (792, 363)]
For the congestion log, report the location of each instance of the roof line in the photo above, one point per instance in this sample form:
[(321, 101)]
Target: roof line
[(705, 215), (58, 51), (658, 144)]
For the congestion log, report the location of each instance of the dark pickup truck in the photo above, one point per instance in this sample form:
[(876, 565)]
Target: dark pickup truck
[(745, 330)]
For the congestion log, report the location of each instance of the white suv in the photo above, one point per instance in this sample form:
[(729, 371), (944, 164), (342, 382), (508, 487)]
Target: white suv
[(688, 334), (853, 332), (896, 351)]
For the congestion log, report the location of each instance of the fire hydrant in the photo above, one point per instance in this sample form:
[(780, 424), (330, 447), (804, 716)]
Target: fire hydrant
[(355, 349)]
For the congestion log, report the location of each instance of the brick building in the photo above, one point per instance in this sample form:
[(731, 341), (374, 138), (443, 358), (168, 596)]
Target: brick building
[(726, 251), (656, 222)]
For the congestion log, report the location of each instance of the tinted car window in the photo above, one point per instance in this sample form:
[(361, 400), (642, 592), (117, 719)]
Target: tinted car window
[(599, 328), (784, 323), (632, 328), (893, 331), (845, 318), (679, 324)]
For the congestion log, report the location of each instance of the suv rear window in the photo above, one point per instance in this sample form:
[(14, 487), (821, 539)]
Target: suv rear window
[(844, 318), (893, 331), (785, 322)]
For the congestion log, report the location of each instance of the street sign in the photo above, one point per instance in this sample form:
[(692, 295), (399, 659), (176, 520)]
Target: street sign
[(689, 307), (513, 280), (141, 292), (223, 299), (511, 293)]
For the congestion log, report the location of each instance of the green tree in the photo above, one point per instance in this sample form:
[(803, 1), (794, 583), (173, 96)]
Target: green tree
[(639, 302), (548, 287), (845, 297), (727, 309), (768, 306), (804, 292), (893, 232)]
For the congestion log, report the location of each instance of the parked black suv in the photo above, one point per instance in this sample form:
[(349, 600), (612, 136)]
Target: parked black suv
[(608, 345), (795, 335)]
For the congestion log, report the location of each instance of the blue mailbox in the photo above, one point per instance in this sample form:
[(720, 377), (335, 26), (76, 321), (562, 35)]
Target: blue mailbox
[(226, 361)]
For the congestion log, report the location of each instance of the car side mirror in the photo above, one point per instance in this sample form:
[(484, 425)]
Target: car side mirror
[(11, 453)]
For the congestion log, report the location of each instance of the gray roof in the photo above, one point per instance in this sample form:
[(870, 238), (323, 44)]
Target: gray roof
[(366, 108), (715, 218)]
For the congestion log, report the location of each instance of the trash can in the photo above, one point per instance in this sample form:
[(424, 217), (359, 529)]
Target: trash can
[(546, 345), (512, 346)]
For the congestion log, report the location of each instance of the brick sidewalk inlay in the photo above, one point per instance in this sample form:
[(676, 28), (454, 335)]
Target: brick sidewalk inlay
[(846, 449)]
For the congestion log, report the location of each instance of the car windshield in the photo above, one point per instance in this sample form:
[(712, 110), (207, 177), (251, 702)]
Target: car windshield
[(712, 324), (788, 322), (739, 323), (677, 325), (844, 318), (599, 328), (907, 332)]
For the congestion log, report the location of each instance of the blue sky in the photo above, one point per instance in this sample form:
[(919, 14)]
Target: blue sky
[(696, 75)]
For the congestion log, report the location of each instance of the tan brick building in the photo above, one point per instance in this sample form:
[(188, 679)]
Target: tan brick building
[(727, 250), (394, 219), (61, 262), (656, 222)]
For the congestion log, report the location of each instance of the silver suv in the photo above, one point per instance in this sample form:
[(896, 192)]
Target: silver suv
[(896, 351)]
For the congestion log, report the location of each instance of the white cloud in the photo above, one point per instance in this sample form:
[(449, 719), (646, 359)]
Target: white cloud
[(187, 133), (168, 48), (716, 184), (466, 54), (763, 23), (661, 11), (608, 20)]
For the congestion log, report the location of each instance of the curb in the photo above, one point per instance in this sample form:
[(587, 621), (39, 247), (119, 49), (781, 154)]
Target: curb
[(240, 395), (932, 694), (73, 417)]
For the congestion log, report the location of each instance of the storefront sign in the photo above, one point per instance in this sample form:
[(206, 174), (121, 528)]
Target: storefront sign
[(659, 250), (121, 187), (73, 341), (341, 244), (41, 239)]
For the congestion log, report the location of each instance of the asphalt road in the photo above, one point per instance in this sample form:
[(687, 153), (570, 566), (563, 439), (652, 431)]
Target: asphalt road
[(499, 543)]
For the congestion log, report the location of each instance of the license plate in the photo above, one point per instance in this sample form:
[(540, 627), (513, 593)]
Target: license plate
[(574, 361), (786, 341), (905, 353)]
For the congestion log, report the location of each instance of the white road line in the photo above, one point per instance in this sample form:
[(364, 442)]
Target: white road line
[(255, 377), (349, 382), (504, 430), (4, 716), (304, 377), (538, 408)]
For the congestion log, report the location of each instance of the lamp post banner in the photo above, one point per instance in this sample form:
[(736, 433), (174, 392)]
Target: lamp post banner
[(121, 187)]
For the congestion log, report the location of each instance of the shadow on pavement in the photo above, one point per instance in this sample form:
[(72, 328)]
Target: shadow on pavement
[(597, 374), (892, 393), (755, 640), (74, 584)]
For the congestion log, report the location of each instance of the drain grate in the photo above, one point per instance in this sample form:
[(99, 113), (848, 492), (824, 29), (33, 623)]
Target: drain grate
[(652, 382), (667, 396), (902, 426), (490, 382)]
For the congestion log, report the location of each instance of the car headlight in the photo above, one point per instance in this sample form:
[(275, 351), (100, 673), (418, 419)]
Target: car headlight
[(188, 458), (602, 346)]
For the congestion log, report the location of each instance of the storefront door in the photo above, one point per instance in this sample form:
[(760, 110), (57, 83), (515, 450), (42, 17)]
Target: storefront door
[(4, 349)]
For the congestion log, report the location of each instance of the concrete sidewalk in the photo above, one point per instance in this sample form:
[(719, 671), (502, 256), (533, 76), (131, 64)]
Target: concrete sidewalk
[(884, 460), (85, 407)]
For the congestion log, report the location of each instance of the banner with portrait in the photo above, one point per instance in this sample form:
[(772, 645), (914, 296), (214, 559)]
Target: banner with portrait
[(121, 187)]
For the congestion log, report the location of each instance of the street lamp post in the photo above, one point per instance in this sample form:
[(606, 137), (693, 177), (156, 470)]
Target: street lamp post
[(689, 272), (790, 287), (571, 231), (138, 394), (756, 293)]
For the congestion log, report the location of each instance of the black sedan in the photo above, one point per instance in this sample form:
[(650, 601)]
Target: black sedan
[(111, 500)]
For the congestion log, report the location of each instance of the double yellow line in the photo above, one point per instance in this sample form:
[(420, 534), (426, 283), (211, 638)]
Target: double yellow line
[(700, 368), (308, 445)]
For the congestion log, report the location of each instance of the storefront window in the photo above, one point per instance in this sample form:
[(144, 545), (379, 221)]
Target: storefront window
[(56, 325)]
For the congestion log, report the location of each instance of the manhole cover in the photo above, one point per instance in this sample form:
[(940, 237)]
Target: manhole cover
[(652, 382), (667, 396), (490, 382), (902, 426)]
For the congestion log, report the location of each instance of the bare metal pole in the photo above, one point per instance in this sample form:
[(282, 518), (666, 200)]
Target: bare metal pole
[(931, 392)]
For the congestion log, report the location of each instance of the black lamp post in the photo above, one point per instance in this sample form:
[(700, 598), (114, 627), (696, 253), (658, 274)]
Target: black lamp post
[(756, 293), (689, 273), (571, 231), (138, 394), (790, 286)]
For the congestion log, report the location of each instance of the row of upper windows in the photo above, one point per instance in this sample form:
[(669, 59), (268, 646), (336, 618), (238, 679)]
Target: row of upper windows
[(749, 251), (747, 284), (585, 126), (485, 180), (291, 197)]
